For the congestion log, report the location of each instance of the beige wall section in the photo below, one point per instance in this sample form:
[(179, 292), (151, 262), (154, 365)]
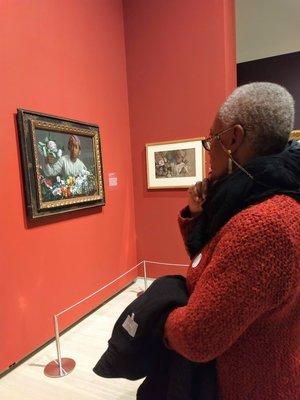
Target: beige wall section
[(266, 28)]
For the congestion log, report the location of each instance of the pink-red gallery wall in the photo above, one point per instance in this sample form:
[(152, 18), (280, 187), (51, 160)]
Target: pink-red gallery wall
[(145, 71), (180, 66), (64, 58)]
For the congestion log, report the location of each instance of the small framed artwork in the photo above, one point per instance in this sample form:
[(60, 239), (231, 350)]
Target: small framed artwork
[(176, 164), (295, 135), (61, 163)]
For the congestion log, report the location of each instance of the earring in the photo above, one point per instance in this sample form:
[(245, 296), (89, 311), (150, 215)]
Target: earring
[(229, 162)]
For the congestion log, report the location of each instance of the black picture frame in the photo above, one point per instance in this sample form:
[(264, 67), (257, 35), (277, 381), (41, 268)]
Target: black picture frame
[(61, 164)]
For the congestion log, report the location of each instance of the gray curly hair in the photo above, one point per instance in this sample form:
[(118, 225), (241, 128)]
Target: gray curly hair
[(266, 112)]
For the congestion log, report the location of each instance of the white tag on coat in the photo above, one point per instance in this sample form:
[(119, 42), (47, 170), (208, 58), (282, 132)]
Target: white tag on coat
[(196, 260), (130, 325)]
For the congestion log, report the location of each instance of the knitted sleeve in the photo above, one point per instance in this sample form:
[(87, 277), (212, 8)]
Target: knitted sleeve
[(250, 272)]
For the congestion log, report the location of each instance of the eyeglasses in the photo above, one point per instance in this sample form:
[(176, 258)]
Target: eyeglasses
[(206, 143)]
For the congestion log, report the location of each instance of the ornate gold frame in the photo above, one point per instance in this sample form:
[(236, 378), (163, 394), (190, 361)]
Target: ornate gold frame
[(28, 123)]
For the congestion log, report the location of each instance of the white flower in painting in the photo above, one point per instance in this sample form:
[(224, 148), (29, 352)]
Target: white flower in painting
[(56, 191), (58, 179), (52, 146)]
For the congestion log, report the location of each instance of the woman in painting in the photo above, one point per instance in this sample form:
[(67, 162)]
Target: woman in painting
[(67, 165), (242, 231), (181, 167)]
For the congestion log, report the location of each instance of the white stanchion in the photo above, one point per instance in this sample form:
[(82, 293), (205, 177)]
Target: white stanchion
[(63, 366), (145, 275)]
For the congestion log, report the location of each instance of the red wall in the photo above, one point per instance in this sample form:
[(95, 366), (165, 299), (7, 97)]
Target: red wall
[(67, 58), (64, 58), (180, 66)]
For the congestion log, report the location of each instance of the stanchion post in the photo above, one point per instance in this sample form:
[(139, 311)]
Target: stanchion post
[(145, 275), (61, 366), (57, 345)]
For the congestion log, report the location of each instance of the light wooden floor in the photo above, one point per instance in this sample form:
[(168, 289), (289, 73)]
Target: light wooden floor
[(84, 343)]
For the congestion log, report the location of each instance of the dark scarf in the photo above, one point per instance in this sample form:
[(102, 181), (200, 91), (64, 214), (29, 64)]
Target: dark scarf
[(273, 174)]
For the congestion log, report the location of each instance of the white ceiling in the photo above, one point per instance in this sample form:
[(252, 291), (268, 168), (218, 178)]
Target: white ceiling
[(267, 28)]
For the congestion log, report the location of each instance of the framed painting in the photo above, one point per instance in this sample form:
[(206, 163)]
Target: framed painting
[(176, 164), (295, 135), (61, 164)]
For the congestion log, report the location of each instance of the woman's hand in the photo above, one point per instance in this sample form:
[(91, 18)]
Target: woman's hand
[(197, 195)]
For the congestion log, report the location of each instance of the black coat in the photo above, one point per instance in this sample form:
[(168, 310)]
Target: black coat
[(136, 348)]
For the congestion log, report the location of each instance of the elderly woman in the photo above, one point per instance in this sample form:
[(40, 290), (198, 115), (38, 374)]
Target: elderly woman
[(242, 231)]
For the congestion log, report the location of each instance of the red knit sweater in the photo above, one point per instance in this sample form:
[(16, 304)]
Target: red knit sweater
[(244, 304)]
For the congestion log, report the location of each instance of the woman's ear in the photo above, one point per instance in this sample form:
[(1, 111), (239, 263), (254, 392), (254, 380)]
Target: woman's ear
[(237, 137)]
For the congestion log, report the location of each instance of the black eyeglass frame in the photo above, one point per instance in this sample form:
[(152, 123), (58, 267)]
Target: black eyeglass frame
[(206, 143)]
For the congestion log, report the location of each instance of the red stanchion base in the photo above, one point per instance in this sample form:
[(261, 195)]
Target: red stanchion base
[(52, 369)]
